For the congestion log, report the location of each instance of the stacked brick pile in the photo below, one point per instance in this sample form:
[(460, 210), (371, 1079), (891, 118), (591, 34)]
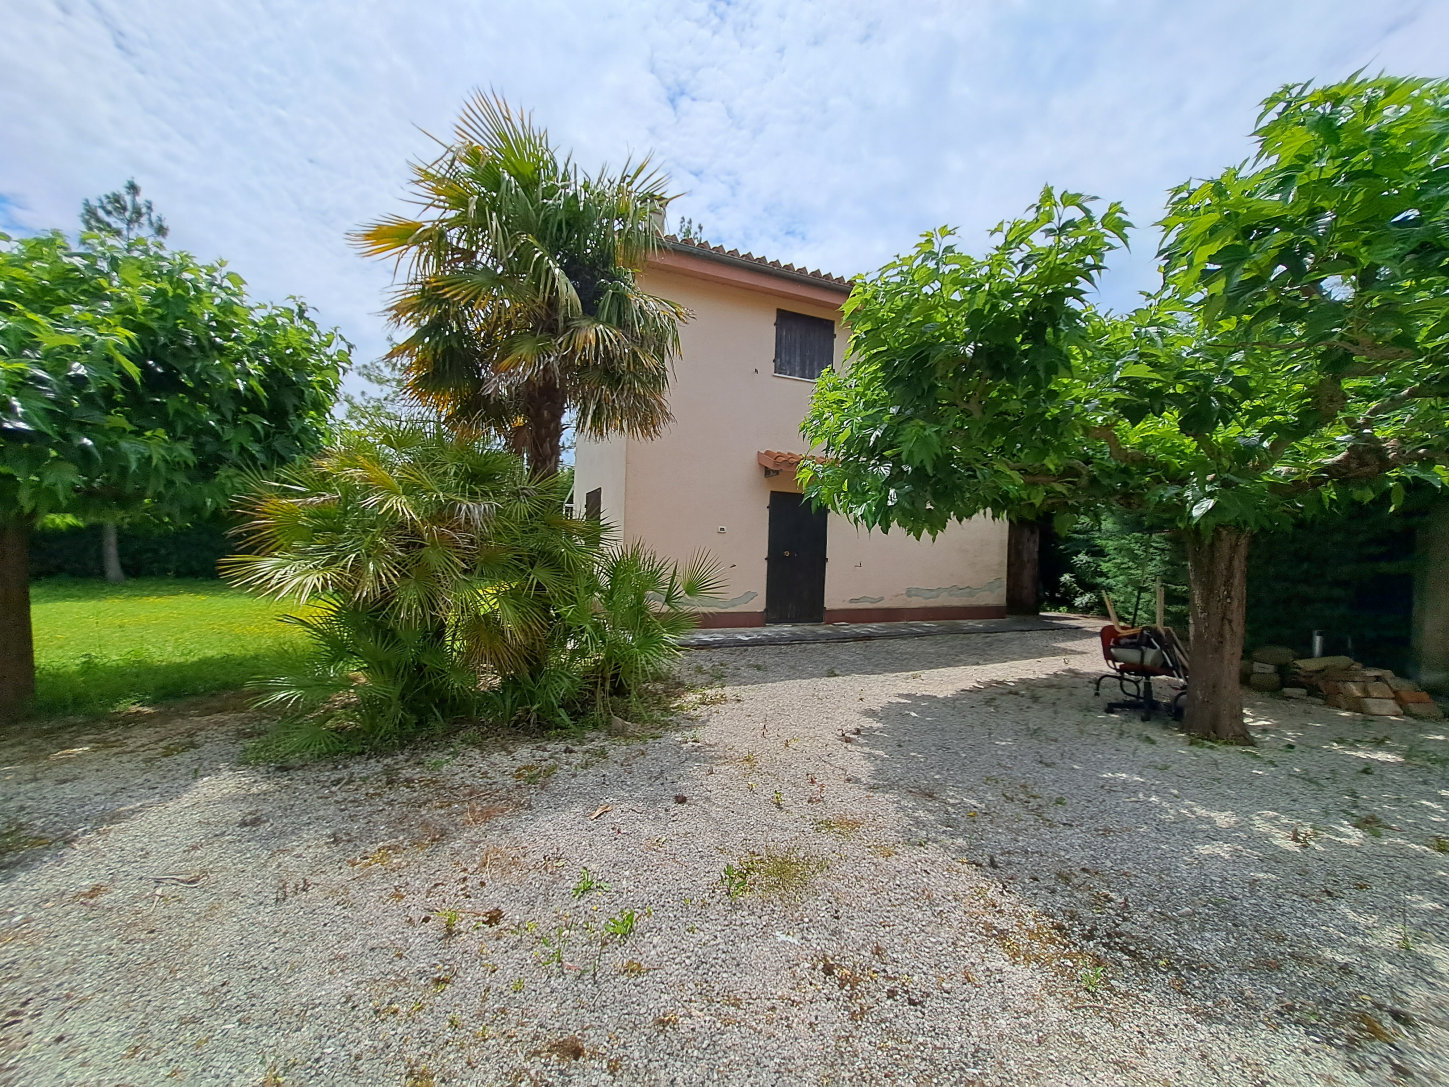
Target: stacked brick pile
[(1348, 685), (1341, 682)]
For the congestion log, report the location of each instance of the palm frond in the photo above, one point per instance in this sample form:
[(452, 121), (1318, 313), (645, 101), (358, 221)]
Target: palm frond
[(521, 276)]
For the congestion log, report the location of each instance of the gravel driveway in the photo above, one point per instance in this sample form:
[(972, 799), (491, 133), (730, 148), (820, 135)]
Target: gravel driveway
[(929, 861)]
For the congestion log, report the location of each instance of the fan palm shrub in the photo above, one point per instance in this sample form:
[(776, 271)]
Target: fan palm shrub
[(440, 580), (519, 303)]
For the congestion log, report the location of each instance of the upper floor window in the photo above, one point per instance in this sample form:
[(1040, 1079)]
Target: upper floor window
[(804, 346)]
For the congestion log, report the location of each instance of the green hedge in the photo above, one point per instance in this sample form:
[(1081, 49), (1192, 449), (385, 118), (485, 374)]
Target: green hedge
[(1349, 575), (190, 552)]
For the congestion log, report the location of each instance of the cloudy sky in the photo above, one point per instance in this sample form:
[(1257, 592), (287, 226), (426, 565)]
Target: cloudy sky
[(825, 132)]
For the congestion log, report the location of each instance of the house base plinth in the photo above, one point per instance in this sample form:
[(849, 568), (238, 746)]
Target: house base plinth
[(717, 620)]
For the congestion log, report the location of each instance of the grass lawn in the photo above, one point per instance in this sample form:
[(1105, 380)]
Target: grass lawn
[(102, 647)]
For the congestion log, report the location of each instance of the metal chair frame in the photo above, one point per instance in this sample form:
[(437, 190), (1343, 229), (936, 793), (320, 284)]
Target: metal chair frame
[(1135, 680)]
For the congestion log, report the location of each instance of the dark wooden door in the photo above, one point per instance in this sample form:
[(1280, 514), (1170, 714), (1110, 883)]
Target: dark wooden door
[(795, 574)]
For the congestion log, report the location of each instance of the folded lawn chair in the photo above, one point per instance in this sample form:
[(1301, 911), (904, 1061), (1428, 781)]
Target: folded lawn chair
[(1137, 656)]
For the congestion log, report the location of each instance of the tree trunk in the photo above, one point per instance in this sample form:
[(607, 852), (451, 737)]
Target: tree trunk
[(1023, 567), (17, 650), (1217, 564), (543, 409), (111, 554)]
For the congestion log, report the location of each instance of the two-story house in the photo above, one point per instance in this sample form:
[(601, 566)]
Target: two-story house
[(722, 477)]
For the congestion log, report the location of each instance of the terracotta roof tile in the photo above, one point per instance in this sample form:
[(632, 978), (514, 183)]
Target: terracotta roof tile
[(684, 245), (773, 461)]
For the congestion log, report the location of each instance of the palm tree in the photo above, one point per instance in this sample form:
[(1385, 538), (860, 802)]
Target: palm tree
[(438, 579), (520, 304)]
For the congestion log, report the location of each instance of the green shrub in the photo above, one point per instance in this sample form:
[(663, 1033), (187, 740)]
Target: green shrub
[(447, 583), (1118, 556)]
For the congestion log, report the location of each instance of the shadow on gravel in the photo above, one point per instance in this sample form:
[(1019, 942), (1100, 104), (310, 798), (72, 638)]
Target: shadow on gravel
[(1071, 646), (66, 777), (1293, 884)]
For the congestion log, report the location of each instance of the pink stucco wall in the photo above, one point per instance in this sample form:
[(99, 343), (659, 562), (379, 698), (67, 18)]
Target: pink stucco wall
[(699, 487)]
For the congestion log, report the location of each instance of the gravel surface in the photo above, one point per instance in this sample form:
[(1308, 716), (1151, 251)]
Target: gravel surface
[(947, 865)]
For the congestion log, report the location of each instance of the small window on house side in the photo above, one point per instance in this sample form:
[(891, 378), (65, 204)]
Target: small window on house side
[(804, 346), (594, 504)]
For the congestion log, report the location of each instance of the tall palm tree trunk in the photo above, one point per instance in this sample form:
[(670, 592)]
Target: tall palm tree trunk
[(543, 415)]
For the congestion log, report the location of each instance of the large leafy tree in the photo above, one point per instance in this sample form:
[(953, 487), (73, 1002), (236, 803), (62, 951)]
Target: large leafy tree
[(1294, 359), (121, 215), (519, 304), (135, 378)]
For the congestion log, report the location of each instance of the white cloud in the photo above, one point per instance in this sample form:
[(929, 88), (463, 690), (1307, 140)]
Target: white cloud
[(827, 133)]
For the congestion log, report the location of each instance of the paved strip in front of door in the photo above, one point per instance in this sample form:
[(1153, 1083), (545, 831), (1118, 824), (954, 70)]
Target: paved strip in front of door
[(788, 634)]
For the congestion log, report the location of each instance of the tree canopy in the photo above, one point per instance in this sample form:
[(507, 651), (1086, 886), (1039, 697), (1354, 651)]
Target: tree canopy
[(123, 214), (957, 396), (1293, 357), (134, 377), (520, 302)]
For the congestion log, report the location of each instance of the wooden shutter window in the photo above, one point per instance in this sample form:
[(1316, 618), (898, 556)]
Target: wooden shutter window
[(804, 346)]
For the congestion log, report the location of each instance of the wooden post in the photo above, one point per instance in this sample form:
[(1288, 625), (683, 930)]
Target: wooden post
[(1023, 567)]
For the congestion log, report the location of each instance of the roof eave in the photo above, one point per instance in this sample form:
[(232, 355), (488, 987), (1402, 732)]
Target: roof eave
[(756, 264)]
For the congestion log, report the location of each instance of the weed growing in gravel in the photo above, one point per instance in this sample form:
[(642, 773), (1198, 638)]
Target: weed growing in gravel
[(705, 696), (516, 985), (450, 921), (1093, 978), (780, 875), (778, 800), (717, 673), (844, 826), (621, 925), (381, 856), (736, 881), (1371, 825), (442, 760), (587, 884), (552, 952), (1406, 943), (1439, 844), (535, 775)]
